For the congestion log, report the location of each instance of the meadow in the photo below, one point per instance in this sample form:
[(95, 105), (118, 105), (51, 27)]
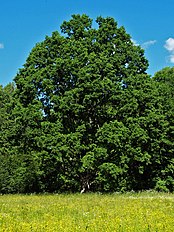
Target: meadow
[(148, 211)]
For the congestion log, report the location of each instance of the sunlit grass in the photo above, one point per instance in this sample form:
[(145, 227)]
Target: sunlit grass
[(87, 212)]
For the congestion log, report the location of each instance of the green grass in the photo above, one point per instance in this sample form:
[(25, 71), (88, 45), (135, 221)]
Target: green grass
[(87, 212)]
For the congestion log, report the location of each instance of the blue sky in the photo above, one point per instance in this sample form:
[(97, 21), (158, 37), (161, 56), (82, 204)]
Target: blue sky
[(24, 23)]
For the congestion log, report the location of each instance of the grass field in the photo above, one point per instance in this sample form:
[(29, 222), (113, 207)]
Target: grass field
[(87, 212)]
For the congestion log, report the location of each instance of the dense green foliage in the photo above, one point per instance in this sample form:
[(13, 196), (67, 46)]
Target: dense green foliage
[(84, 114)]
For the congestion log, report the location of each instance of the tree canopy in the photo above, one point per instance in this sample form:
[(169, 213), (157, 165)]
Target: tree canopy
[(85, 115)]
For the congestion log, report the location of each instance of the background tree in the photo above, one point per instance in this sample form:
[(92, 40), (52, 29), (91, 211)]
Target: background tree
[(17, 165), (165, 82)]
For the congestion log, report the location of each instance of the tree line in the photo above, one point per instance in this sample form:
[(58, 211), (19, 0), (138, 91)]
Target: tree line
[(83, 114)]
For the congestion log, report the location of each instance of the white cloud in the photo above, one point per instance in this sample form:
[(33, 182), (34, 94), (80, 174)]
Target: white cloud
[(171, 58), (134, 42), (169, 46), (1, 45), (146, 44)]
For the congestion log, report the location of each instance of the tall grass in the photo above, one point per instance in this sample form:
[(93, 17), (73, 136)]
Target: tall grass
[(87, 212)]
